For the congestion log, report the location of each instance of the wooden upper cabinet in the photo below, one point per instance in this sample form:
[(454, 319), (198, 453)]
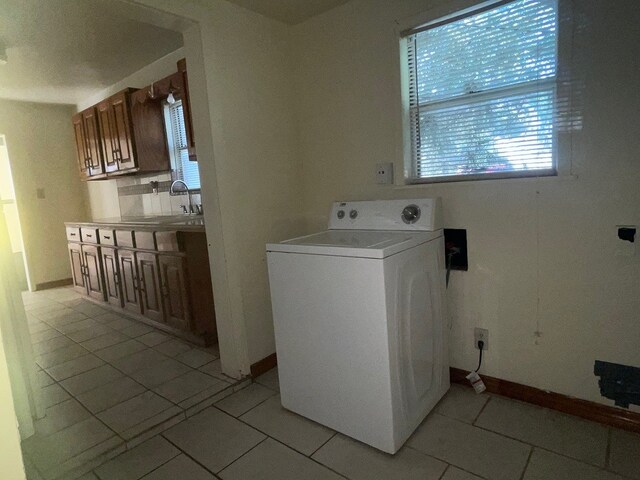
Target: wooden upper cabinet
[(94, 149), (147, 117), (126, 134), (124, 145), (119, 137), (186, 109), (81, 144), (88, 145), (107, 136)]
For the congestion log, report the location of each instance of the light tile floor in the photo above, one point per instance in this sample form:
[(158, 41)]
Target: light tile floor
[(248, 436), (109, 383)]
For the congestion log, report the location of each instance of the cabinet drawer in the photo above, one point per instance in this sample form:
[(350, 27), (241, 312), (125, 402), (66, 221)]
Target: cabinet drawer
[(168, 242), (145, 240), (124, 238), (73, 234), (89, 234), (107, 237)]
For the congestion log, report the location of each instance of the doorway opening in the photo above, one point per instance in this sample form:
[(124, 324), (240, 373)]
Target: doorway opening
[(10, 210)]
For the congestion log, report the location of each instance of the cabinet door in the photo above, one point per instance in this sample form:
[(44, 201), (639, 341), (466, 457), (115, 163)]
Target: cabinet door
[(77, 268), (81, 145), (175, 291), (111, 276), (129, 281), (107, 137), (94, 149), (93, 271), (125, 155), (149, 286)]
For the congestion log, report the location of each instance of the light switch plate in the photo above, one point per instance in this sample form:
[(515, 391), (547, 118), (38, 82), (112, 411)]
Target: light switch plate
[(40, 193), (384, 173)]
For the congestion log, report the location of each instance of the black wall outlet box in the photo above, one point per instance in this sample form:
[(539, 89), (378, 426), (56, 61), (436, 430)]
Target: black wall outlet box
[(455, 248)]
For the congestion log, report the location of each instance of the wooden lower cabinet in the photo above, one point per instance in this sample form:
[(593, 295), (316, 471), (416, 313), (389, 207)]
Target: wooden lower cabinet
[(77, 267), (111, 270), (149, 286), (129, 281), (93, 271), (175, 291), (167, 281)]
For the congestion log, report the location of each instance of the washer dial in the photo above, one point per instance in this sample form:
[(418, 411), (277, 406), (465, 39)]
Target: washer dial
[(410, 214)]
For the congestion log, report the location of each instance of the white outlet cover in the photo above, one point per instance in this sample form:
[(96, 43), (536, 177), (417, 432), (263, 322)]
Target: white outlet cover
[(384, 173)]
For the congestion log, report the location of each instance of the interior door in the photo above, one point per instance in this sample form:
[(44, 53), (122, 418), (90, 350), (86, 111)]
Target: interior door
[(81, 146), (149, 286), (175, 291), (94, 149), (107, 137), (122, 129), (129, 281), (77, 268), (111, 276), (93, 271)]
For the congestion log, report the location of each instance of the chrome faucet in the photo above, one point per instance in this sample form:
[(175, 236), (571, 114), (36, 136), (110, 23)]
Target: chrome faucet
[(173, 193)]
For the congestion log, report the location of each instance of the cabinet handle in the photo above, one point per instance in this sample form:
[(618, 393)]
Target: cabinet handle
[(72, 234), (116, 279), (106, 237), (164, 290)]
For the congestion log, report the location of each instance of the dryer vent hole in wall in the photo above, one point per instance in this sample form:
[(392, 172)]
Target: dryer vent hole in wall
[(455, 245), (627, 233), (455, 250), (620, 383)]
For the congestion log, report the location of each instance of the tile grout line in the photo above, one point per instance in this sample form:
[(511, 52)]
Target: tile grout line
[(446, 469), (281, 442), (547, 449), (203, 466), (323, 444), (481, 410), (526, 465)]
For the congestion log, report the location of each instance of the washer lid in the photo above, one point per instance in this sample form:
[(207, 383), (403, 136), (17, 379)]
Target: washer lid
[(354, 243)]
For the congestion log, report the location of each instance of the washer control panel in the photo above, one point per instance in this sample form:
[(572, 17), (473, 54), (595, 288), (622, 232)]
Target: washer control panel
[(414, 214)]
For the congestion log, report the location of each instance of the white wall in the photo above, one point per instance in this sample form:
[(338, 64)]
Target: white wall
[(42, 155), (103, 194), (252, 178), (543, 277)]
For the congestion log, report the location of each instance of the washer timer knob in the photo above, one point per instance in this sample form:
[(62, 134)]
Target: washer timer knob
[(353, 214), (340, 214), (410, 214)]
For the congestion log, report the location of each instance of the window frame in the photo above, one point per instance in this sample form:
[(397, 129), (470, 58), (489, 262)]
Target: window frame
[(174, 150), (459, 10)]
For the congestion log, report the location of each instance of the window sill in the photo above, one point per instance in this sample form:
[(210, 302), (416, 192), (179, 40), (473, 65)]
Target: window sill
[(551, 178)]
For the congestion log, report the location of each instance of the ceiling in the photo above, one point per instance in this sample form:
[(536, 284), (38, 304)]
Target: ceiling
[(289, 11), (61, 51)]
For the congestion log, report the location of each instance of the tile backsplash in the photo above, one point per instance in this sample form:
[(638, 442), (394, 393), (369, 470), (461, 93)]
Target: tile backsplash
[(137, 199)]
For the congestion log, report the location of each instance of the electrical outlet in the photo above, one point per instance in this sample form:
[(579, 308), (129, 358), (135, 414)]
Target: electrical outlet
[(384, 173), (481, 334)]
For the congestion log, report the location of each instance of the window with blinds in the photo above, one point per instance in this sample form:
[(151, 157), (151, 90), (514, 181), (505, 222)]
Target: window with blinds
[(183, 168), (482, 92)]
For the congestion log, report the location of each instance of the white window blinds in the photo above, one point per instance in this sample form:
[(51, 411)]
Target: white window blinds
[(185, 169), (482, 92)]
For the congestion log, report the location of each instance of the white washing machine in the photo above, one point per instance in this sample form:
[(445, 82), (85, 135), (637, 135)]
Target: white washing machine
[(359, 319)]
